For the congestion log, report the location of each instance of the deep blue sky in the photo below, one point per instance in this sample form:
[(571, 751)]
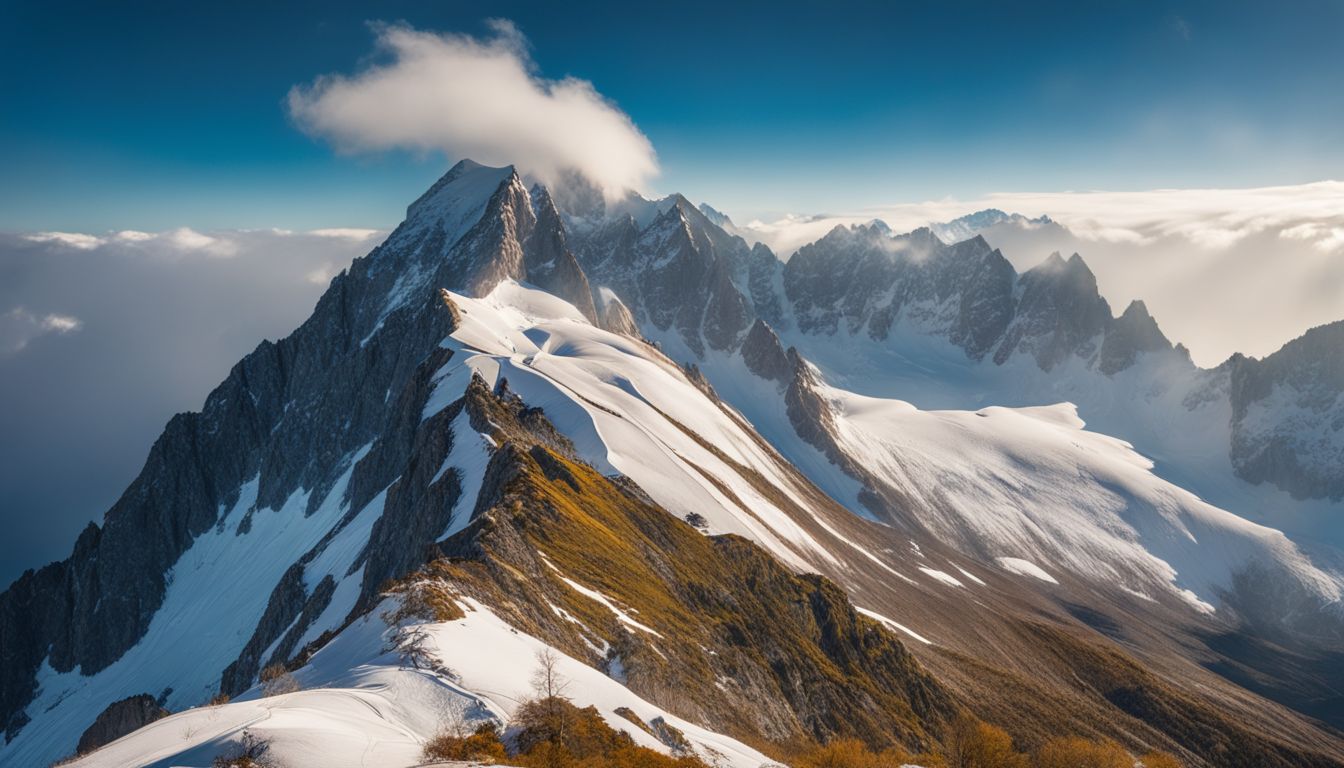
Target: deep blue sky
[(172, 114)]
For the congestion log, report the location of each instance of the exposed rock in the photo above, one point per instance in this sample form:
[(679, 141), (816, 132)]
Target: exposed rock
[(550, 264), (801, 660), (764, 355), (119, 719), (614, 316), (1132, 334), (1060, 314), (1288, 415), (287, 600)]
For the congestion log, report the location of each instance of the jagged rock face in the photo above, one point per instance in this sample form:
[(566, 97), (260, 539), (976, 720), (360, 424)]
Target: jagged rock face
[(119, 719), (1060, 314), (1288, 415), (764, 355), (614, 316), (681, 272), (765, 281), (1134, 332), (549, 263), (862, 277)]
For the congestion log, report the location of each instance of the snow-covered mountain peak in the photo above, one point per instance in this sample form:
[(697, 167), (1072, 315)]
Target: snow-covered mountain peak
[(460, 192), (982, 221), (718, 217)]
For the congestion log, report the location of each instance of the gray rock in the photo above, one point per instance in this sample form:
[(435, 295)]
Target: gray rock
[(549, 263), (764, 355), (614, 316), (1288, 415), (118, 719), (1060, 314), (1133, 333)]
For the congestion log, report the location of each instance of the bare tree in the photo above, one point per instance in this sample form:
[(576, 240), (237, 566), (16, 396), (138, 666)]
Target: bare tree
[(550, 686), (547, 682)]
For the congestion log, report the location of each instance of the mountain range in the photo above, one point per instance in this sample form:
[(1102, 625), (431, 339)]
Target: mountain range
[(747, 502)]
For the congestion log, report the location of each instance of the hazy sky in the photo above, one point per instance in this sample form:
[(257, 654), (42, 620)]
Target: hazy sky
[(181, 179)]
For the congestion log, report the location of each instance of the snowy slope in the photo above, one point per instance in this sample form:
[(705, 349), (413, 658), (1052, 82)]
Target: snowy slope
[(624, 405), (362, 706), (1031, 484), (1028, 489)]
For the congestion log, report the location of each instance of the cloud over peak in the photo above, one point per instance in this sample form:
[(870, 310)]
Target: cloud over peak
[(480, 98)]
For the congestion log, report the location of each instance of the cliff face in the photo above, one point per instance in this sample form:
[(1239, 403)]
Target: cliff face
[(1288, 415), (290, 417)]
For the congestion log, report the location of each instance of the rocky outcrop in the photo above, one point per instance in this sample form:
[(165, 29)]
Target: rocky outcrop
[(1132, 334), (1059, 315), (742, 641), (681, 273), (1288, 415), (614, 316), (862, 277), (120, 718), (286, 601), (549, 263), (764, 355)]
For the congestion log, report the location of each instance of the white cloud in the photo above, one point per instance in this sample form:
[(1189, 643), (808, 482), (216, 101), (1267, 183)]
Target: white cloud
[(346, 233), (19, 327), (70, 239), (1211, 219), (477, 98), (187, 239)]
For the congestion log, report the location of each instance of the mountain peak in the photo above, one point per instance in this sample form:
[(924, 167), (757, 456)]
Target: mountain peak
[(718, 217), (466, 187)]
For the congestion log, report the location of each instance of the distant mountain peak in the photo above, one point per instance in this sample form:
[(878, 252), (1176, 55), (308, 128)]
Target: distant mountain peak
[(972, 224), (718, 217)]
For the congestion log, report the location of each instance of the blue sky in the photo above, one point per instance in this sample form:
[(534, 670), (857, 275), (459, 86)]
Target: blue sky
[(174, 114)]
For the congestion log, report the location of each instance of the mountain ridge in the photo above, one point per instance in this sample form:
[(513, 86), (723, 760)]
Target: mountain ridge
[(360, 444)]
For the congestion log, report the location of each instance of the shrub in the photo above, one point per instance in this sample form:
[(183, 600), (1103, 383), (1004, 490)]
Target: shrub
[(483, 746), (851, 753), (275, 680), (250, 752), (976, 744), (1074, 752), (553, 733), (218, 699)]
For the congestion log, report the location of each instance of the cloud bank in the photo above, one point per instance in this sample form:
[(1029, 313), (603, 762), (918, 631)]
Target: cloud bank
[(477, 98), (103, 337)]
